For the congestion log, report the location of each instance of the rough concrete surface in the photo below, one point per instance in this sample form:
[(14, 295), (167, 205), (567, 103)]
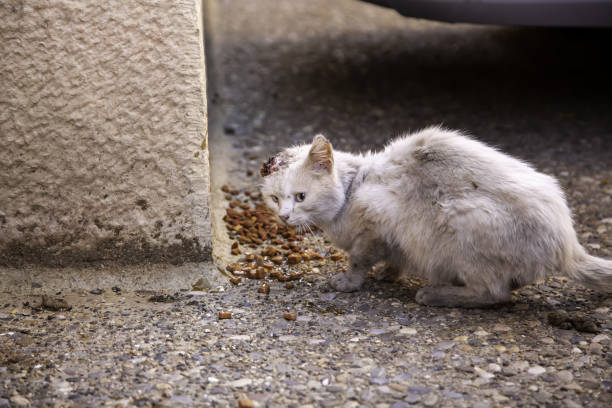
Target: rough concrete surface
[(281, 71), (103, 128)]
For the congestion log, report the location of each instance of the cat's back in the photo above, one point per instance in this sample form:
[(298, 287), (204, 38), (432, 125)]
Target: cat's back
[(445, 157)]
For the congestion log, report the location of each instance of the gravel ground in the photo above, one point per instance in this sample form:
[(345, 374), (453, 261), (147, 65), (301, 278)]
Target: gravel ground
[(279, 71)]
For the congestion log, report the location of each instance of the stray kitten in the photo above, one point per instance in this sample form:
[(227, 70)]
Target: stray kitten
[(474, 222)]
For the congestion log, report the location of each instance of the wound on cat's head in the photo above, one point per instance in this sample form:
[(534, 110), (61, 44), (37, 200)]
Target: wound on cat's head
[(273, 164), (266, 168)]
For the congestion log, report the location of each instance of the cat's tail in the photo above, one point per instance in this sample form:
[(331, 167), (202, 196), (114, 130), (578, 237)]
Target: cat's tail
[(592, 272)]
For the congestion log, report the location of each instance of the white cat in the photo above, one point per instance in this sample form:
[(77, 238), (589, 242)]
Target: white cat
[(474, 222)]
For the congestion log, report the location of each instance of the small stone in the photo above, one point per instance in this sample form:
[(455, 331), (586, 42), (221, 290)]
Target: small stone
[(201, 285), (398, 387), (465, 347), (596, 348), (243, 382), (407, 331), (480, 332), (163, 387), (499, 348), (412, 398), (19, 401), (494, 368), (564, 376), (536, 370), (571, 403), (601, 338), (445, 345), (520, 365), (483, 374), (461, 339), (96, 291), (497, 397), (430, 400), (54, 304), (437, 355), (501, 328), (245, 402), (240, 337)]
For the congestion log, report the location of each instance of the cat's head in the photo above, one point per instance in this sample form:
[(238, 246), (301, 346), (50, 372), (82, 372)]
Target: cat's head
[(301, 184)]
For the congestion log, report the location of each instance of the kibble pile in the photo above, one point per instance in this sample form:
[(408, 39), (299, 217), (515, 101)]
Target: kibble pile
[(269, 249)]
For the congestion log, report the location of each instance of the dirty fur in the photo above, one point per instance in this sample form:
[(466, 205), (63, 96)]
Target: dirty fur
[(476, 223)]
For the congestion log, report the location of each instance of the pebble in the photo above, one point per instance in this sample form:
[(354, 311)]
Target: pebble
[(536, 370), (19, 401), (483, 374), (407, 331), (564, 376), (243, 382), (430, 400), (569, 403), (601, 338), (412, 398), (501, 328), (596, 348), (445, 345)]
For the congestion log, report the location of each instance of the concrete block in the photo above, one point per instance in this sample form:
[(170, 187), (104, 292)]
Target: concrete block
[(103, 133)]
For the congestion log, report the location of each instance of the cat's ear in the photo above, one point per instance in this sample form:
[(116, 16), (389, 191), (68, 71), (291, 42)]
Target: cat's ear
[(321, 154)]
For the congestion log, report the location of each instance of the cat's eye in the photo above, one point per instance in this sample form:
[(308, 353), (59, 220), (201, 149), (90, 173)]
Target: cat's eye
[(299, 197), (275, 199)]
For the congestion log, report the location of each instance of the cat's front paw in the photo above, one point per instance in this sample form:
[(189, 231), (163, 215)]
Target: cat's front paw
[(426, 296), (345, 283)]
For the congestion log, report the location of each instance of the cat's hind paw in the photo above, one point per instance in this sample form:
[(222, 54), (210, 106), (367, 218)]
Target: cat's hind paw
[(345, 283), (458, 296)]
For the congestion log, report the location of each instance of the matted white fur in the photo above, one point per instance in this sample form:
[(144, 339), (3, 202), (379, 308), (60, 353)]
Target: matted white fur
[(476, 223)]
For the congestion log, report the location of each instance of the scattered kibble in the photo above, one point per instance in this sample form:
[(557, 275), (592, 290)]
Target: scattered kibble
[(225, 314), (336, 256), (289, 316), (265, 289), (251, 224)]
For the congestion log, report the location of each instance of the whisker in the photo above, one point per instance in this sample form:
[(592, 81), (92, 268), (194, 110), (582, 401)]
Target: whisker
[(316, 241)]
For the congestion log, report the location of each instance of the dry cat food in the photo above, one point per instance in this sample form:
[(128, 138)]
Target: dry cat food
[(225, 314), (267, 246), (289, 316)]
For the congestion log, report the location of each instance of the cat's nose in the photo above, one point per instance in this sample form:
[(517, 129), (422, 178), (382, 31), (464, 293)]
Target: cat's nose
[(284, 217)]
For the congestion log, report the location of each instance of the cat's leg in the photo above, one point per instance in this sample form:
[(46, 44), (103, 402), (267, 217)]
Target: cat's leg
[(386, 272), (362, 256), (460, 296)]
